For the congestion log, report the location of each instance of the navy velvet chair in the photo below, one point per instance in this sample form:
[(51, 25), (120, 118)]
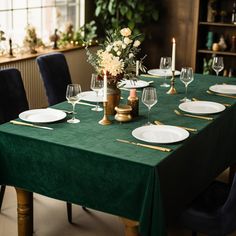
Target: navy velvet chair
[(12, 101), (214, 211), (55, 74)]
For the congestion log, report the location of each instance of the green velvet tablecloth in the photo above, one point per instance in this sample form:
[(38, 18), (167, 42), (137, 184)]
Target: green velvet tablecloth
[(83, 163)]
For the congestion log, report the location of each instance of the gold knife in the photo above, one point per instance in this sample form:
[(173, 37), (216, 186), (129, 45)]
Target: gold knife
[(145, 145), (193, 116), (15, 122), (220, 94)]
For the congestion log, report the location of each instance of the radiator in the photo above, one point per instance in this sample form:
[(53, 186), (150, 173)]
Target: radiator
[(79, 68)]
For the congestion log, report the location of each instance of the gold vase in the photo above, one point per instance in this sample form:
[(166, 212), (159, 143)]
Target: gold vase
[(113, 98)]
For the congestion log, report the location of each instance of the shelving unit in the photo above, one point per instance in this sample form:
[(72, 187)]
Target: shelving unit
[(225, 28)]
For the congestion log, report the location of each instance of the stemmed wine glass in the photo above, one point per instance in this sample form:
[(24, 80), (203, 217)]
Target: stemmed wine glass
[(73, 96), (149, 98), (218, 64), (186, 76), (165, 64), (96, 85)]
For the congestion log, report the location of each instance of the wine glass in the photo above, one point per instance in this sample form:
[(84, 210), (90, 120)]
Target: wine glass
[(96, 85), (217, 64), (165, 64), (186, 76), (149, 98), (73, 96)]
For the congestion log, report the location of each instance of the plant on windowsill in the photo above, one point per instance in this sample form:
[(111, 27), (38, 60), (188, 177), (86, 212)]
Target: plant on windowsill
[(135, 14)]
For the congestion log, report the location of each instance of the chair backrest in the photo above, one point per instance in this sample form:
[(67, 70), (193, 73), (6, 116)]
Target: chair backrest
[(55, 74), (13, 99), (228, 210)]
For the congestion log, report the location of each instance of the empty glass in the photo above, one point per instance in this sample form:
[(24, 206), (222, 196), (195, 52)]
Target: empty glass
[(96, 85), (73, 96), (165, 65), (186, 76), (149, 98), (218, 64)]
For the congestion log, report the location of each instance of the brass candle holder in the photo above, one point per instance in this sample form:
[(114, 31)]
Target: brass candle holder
[(172, 89), (105, 120)]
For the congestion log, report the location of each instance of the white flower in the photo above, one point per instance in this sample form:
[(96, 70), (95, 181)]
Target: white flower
[(123, 46), (118, 53), (125, 32), (127, 40), (136, 43), (116, 49), (117, 43), (108, 48), (131, 55)]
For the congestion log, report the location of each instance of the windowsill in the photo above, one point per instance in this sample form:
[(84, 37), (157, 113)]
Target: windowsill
[(5, 59)]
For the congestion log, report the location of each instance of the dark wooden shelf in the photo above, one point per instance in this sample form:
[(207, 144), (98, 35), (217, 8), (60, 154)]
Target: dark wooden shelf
[(218, 24), (225, 53)]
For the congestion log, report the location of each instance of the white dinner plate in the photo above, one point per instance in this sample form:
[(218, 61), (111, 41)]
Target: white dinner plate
[(42, 115), (160, 72), (136, 84), (201, 107), (160, 134), (91, 96), (223, 88)]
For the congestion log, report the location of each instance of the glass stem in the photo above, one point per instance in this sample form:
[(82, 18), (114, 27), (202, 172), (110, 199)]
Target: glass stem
[(186, 90), (149, 108), (73, 109), (97, 106)]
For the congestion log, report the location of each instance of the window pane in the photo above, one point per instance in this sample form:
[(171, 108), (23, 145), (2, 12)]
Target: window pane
[(19, 24), (34, 3), (72, 15), (5, 4), (6, 23), (19, 4), (60, 2), (48, 2), (49, 23), (34, 19)]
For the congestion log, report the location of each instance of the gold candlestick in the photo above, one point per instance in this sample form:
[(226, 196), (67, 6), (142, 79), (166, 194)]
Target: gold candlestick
[(172, 89), (105, 120)]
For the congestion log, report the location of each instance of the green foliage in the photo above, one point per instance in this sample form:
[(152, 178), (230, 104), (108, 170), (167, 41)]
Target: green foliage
[(135, 14), (207, 66)]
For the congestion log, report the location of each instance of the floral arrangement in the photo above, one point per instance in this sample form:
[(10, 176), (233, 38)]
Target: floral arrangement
[(117, 56)]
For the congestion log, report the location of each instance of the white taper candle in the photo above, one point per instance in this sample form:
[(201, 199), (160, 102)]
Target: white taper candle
[(173, 54)]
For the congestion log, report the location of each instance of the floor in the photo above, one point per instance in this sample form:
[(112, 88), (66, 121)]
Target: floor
[(50, 219)]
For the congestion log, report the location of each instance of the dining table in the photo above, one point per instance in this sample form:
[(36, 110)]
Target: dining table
[(84, 163)]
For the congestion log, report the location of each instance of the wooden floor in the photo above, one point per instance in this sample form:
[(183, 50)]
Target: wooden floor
[(50, 219)]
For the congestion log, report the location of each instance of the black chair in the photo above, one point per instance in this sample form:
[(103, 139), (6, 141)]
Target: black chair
[(214, 211), (12, 101), (55, 74)]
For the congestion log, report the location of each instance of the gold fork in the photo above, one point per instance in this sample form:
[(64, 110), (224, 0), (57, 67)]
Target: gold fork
[(193, 116), (157, 122), (222, 95), (225, 104)]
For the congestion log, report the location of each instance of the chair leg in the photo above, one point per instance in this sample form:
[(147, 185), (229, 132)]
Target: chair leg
[(2, 191), (69, 212)]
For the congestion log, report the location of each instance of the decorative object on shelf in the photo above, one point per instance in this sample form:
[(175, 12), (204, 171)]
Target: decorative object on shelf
[(223, 15), (31, 40), (67, 36), (207, 66), (233, 19), (232, 72), (222, 43), (209, 40), (211, 10), (215, 47), (54, 38), (225, 73), (117, 57), (133, 101), (233, 44), (2, 38), (10, 54), (123, 113)]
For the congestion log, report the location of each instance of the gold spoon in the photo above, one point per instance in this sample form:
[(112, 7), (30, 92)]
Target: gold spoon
[(193, 116)]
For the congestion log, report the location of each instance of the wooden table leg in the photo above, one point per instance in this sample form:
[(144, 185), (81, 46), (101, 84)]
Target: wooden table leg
[(131, 227), (25, 212)]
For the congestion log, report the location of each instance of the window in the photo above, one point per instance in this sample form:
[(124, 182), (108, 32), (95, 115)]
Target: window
[(44, 15)]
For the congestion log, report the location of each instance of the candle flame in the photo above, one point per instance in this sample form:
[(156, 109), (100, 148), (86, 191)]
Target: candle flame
[(173, 40)]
